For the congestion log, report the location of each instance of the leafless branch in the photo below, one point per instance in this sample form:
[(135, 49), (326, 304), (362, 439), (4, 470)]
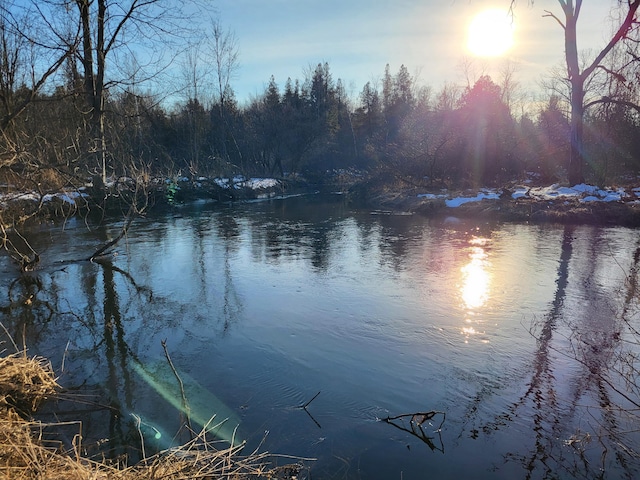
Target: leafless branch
[(552, 15)]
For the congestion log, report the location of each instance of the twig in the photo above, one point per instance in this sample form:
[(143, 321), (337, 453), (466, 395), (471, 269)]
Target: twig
[(125, 227), (416, 421), (138, 424), (185, 404), (64, 355), (304, 407), (311, 416), (307, 404), (10, 337), (419, 417)]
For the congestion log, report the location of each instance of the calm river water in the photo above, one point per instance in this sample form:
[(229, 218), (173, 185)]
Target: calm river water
[(515, 339)]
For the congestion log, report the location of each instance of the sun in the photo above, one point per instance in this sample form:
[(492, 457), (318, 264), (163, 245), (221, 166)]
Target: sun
[(490, 33)]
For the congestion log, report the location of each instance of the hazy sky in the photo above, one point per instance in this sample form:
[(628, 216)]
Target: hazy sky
[(359, 37)]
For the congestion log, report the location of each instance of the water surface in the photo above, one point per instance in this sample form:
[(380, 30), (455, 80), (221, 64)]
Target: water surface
[(517, 333)]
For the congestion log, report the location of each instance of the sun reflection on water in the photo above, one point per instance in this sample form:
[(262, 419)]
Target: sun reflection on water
[(476, 283), (476, 278)]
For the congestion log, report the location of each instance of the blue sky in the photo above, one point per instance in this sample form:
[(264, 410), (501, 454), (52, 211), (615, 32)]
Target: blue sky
[(359, 37)]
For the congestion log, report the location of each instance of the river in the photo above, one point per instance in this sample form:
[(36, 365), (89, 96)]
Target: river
[(516, 340)]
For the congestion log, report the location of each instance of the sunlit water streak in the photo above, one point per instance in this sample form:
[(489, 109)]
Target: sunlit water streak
[(266, 304)]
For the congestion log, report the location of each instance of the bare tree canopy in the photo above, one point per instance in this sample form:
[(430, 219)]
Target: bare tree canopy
[(578, 75)]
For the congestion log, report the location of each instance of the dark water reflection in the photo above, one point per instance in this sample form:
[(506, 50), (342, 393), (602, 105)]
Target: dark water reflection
[(519, 333)]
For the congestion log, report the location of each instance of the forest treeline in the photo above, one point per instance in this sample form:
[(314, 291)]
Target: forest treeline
[(68, 116), (457, 137)]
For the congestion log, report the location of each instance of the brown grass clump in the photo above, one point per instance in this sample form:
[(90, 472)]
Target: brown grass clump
[(27, 454), (200, 459), (24, 456), (25, 382)]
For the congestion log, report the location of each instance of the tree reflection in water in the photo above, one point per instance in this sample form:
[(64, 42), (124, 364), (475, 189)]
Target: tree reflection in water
[(36, 311), (542, 388), (116, 353), (585, 355), (232, 303)]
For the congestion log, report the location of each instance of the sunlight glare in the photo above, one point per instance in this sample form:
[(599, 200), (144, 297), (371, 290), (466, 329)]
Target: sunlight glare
[(475, 288), (490, 33)]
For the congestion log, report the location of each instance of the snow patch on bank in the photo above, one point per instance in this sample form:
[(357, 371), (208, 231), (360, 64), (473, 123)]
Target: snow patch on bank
[(65, 197), (71, 197), (483, 195), (583, 193), (251, 183)]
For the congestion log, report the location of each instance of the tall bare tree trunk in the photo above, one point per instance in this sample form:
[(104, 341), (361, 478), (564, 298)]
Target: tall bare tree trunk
[(576, 157), (98, 108), (577, 78), (94, 80)]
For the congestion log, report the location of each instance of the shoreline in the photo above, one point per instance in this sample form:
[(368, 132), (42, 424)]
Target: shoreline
[(497, 205), (525, 210)]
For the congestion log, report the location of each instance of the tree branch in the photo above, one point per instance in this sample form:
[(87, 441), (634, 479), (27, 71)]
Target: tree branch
[(552, 15), (619, 35), (609, 100), (125, 227)]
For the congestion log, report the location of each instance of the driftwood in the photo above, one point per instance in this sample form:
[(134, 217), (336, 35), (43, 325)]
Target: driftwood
[(416, 420), (304, 407)]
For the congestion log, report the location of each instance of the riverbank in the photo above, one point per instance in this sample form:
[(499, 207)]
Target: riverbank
[(580, 204)]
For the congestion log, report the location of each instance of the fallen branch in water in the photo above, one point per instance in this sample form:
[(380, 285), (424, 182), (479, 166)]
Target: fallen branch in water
[(304, 407), (123, 232), (416, 420), (307, 404)]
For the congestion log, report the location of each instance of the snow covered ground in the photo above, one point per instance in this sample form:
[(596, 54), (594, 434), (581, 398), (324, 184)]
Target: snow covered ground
[(251, 183), (66, 197), (70, 197), (583, 193)]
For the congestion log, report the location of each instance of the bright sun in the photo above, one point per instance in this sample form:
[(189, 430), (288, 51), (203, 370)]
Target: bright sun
[(490, 33)]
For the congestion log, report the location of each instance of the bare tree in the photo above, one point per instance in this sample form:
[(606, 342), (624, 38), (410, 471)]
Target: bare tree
[(26, 66), (25, 62), (578, 76), (197, 75), (225, 55), (37, 38), (104, 26)]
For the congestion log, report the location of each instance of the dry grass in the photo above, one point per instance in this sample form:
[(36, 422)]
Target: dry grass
[(25, 382), (26, 454)]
